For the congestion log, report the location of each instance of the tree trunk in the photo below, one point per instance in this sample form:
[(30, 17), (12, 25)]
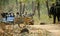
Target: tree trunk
[(33, 7), (17, 5), (38, 8), (20, 8), (47, 7), (23, 8), (1, 11)]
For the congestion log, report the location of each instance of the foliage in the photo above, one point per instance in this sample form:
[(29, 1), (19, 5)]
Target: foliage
[(24, 1), (4, 2)]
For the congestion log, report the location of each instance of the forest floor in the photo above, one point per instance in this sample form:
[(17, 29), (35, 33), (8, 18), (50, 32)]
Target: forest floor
[(14, 30)]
